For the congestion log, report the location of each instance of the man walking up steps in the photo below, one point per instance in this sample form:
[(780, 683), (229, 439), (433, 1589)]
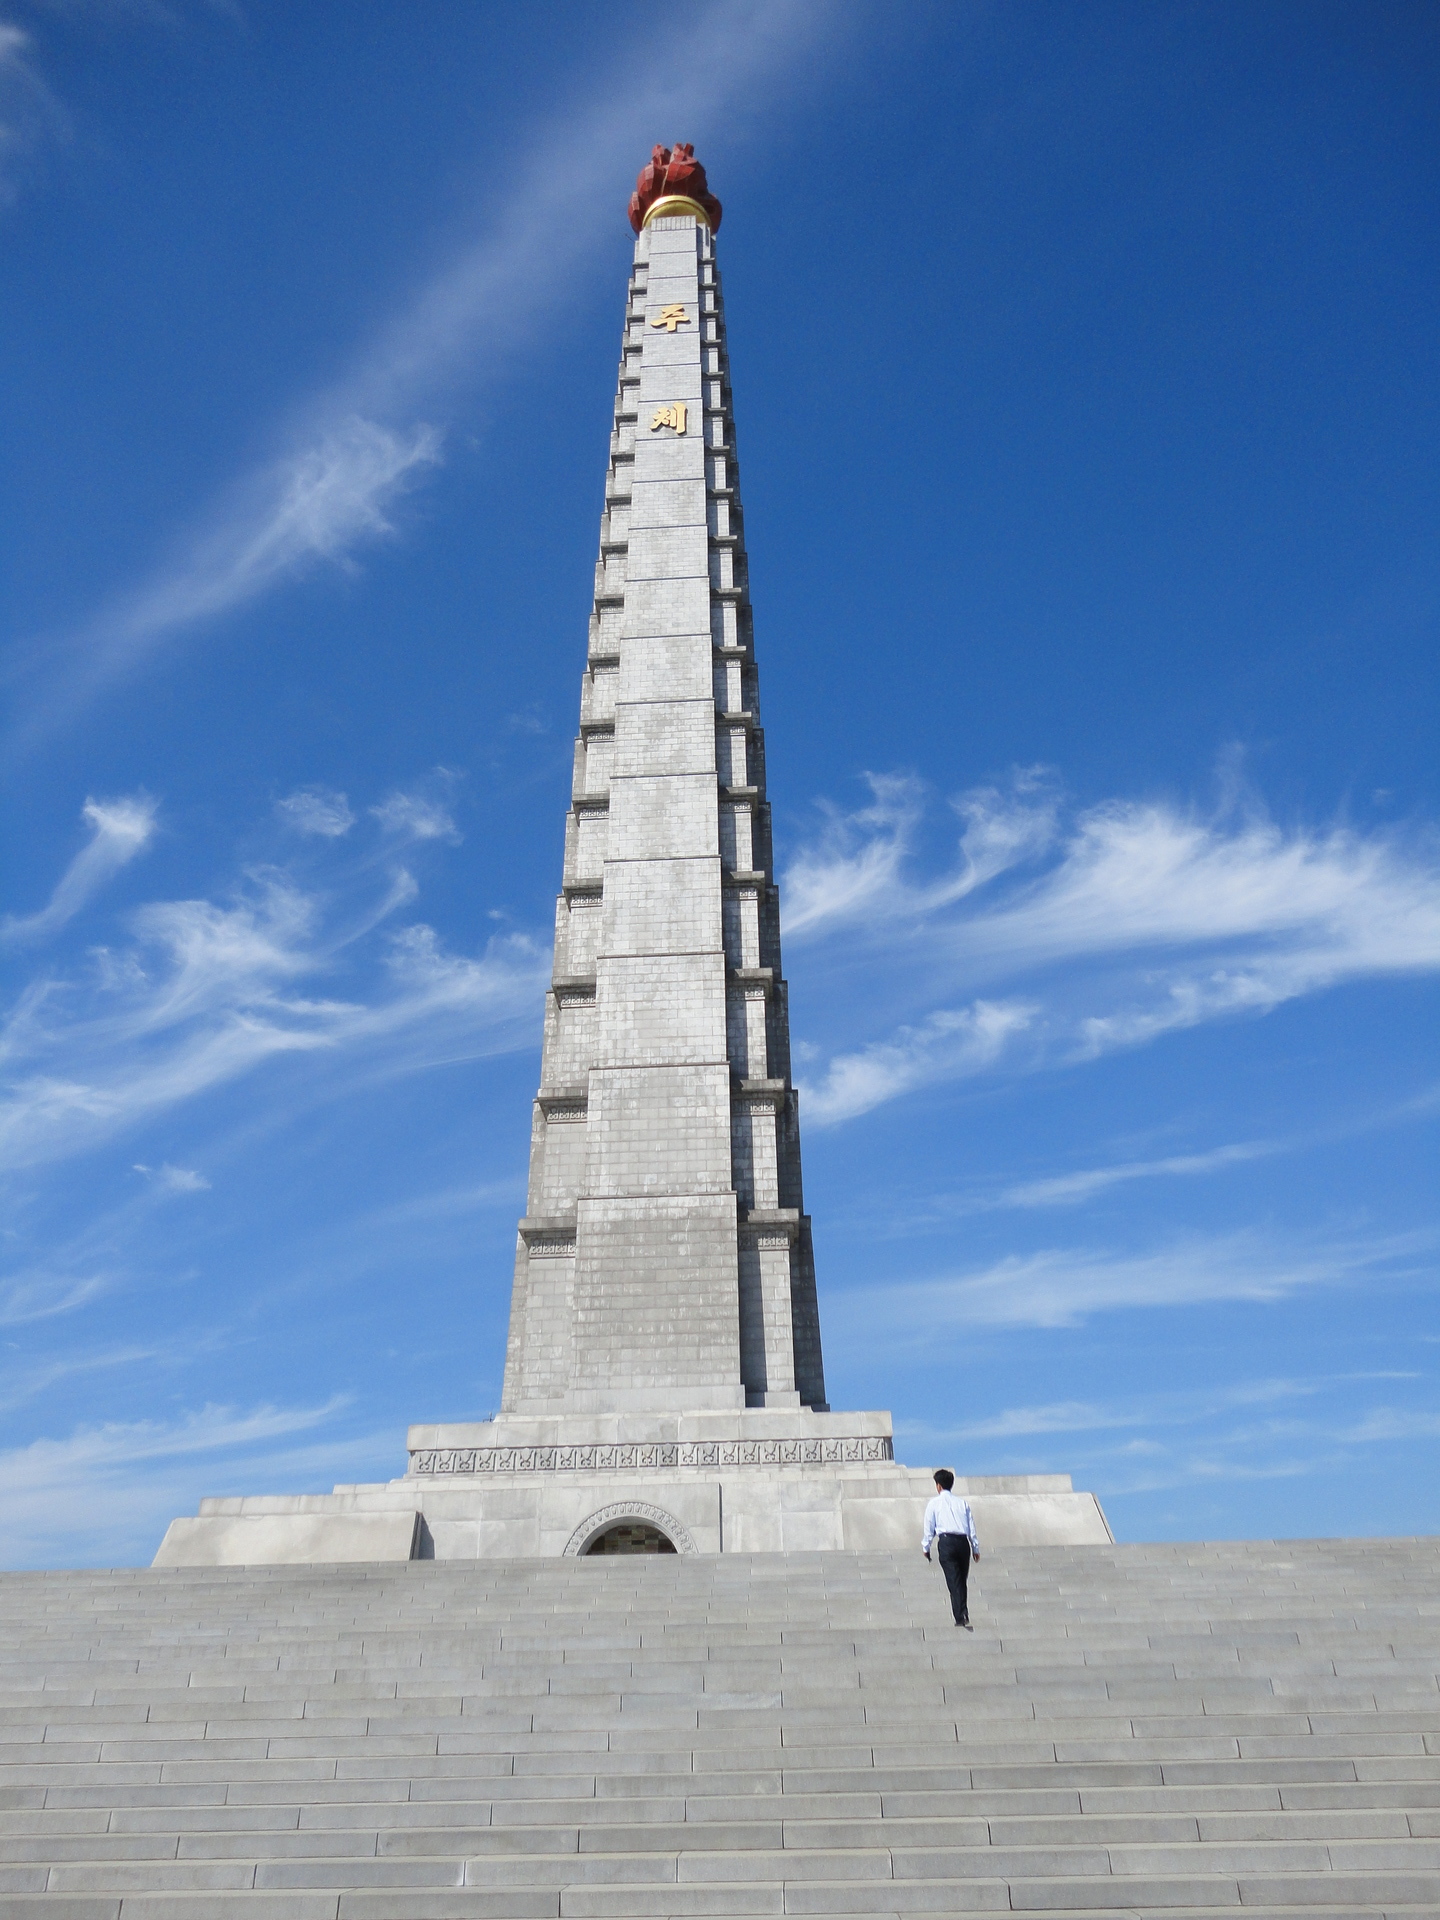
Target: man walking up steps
[(950, 1525)]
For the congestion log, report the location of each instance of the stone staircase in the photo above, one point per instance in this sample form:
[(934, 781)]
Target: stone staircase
[(1134, 1729)]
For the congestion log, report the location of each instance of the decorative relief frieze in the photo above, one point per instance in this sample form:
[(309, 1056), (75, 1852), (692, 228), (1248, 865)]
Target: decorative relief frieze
[(550, 1250), (620, 1456)]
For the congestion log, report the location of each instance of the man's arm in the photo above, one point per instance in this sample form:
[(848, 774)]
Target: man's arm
[(929, 1534)]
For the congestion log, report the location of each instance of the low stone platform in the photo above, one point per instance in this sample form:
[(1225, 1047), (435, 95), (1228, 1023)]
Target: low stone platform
[(1160, 1729), (751, 1481)]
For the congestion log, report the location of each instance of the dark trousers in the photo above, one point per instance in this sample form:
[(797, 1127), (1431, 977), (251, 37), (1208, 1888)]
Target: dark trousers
[(954, 1551)]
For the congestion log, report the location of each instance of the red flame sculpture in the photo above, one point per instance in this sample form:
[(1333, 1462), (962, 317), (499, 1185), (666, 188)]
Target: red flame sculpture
[(672, 170)]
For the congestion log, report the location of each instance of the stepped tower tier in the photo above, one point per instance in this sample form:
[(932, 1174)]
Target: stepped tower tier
[(664, 1263)]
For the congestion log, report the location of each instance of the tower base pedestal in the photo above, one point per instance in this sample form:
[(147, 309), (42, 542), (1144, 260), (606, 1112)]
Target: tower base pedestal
[(768, 1480)]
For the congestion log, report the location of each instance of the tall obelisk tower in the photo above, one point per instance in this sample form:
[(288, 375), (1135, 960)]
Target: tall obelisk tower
[(664, 1261), (663, 1384)]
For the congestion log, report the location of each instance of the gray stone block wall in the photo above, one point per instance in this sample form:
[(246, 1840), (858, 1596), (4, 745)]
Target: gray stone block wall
[(665, 1261)]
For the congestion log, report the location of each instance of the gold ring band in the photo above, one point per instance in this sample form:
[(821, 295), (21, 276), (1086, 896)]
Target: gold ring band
[(675, 203)]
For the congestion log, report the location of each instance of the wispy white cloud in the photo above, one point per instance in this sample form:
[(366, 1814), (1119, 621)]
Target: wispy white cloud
[(98, 1449), (948, 1044), (335, 489), (30, 1296), (1391, 1423), (1081, 1184), (1304, 908), (1131, 921), (30, 115), (1066, 1286), (1146, 1443), (416, 816), (854, 864), (168, 1179), (26, 1381), (317, 810), (320, 502), (1065, 1189), (857, 872), (448, 1203), (119, 829), (208, 991), (1061, 1416), (1172, 1408), (352, 450), (105, 1494)]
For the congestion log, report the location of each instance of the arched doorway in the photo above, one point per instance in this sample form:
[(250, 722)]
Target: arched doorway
[(631, 1536), (630, 1526)]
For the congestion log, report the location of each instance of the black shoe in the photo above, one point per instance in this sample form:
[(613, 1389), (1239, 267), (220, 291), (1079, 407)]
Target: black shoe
[(966, 1624)]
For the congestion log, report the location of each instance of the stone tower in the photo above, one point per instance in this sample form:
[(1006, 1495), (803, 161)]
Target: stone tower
[(664, 1262), (664, 1390)]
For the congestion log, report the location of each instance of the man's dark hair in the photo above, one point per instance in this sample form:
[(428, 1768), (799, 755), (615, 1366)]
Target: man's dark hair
[(944, 1479)]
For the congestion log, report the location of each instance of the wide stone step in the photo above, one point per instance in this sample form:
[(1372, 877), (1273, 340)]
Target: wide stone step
[(473, 1904), (1138, 1729)]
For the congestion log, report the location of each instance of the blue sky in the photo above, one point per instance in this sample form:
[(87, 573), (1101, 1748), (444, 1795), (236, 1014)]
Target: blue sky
[(1087, 396)]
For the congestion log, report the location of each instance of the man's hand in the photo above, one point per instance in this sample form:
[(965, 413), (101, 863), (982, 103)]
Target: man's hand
[(975, 1553), (926, 1552)]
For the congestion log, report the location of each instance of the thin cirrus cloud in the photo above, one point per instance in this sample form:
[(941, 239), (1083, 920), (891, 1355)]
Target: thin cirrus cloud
[(1170, 1409), (1121, 924), (316, 810), (30, 115), (1252, 1429), (168, 1179), (28, 1297), (1070, 1189), (206, 992), (100, 1449), (119, 829), (858, 871), (27, 1382), (1081, 1185), (316, 502), (416, 816), (1065, 1286), (952, 1043), (350, 454), (105, 1493)]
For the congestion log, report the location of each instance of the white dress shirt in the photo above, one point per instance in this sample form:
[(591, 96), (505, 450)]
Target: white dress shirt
[(948, 1513)]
